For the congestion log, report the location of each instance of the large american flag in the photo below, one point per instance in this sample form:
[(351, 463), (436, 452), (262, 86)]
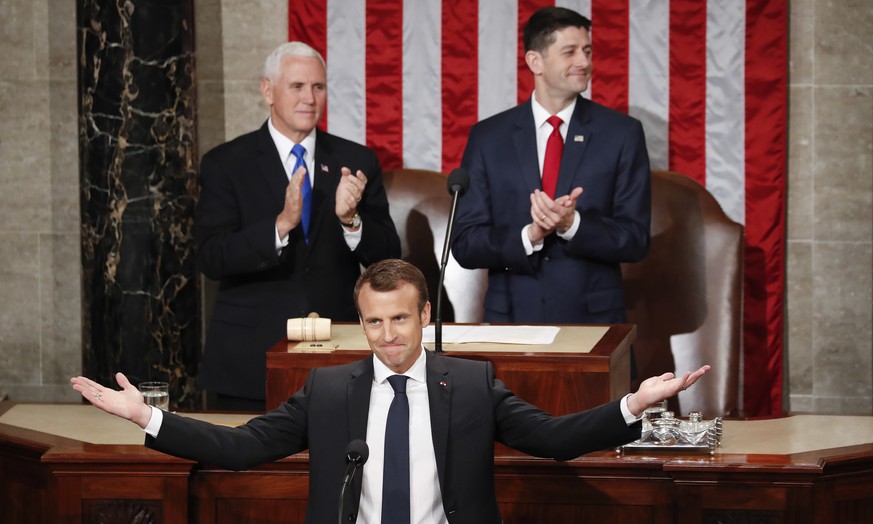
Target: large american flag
[(708, 79)]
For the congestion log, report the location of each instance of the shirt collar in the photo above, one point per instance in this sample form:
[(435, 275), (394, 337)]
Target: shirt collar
[(540, 113), (417, 372), (284, 144)]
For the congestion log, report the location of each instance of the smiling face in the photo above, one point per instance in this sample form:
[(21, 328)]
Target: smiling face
[(393, 324), (297, 97), (563, 70)]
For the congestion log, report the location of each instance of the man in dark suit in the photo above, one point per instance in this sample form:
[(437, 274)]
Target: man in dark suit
[(457, 409), (554, 206), (284, 237)]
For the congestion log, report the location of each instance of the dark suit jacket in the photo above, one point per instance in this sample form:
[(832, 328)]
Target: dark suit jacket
[(566, 282), (242, 190), (469, 411)]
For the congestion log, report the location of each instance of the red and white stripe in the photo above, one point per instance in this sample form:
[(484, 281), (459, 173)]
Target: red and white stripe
[(706, 78)]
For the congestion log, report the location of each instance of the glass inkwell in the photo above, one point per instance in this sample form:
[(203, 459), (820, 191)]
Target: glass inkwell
[(663, 431)]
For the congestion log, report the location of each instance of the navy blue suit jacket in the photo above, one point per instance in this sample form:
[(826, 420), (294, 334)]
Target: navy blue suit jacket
[(469, 411), (242, 190), (576, 281)]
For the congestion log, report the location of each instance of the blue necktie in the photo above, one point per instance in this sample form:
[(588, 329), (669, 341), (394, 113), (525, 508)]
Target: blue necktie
[(395, 477), (306, 190)]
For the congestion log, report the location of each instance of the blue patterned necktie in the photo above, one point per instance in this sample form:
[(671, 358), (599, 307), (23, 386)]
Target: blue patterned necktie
[(395, 477), (306, 190)]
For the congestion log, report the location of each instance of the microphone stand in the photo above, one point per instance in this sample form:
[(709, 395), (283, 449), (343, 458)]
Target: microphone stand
[(351, 468), (438, 322)]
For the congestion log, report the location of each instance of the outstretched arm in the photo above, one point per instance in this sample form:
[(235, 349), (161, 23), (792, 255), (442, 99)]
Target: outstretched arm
[(655, 389), (127, 403)]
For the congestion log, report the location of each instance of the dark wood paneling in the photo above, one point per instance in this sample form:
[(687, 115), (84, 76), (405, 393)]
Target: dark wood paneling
[(559, 383), (49, 479)]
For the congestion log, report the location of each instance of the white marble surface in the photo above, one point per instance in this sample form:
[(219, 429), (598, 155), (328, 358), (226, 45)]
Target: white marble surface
[(89, 424), (795, 434), (789, 435)]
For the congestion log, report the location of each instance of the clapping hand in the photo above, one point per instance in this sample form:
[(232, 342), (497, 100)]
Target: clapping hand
[(548, 216), (293, 207), (349, 193)]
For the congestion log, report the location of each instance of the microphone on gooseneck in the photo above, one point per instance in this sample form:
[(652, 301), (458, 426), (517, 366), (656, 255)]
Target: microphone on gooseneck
[(458, 183), (357, 453)]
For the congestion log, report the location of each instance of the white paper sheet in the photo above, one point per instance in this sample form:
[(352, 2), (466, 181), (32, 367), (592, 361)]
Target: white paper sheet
[(459, 334)]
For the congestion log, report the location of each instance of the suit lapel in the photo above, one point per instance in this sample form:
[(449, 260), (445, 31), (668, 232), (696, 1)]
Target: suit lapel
[(579, 135), (358, 406), (524, 138), (358, 398), (439, 397), (270, 165), (327, 176)]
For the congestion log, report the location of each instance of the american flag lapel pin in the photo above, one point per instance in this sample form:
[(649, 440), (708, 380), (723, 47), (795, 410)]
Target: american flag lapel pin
[(579, 138)]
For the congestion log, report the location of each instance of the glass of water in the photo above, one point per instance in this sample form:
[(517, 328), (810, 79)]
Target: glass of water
[(156, 394)]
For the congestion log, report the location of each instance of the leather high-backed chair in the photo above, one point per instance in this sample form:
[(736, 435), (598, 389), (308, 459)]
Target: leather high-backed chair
[(420, 204), (685, 296)]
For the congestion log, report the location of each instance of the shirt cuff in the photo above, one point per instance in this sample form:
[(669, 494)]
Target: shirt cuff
[(155, 422), (571, 232), (529, 249), (353, 238), (280, 242), (629, 417)]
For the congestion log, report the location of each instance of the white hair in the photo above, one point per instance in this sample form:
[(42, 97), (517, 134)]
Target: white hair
[(274, 60)]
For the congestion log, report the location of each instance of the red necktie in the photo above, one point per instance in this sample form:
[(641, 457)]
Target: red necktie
[(552, 162)]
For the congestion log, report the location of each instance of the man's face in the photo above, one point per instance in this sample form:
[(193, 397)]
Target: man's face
[(564, 69), (393, 325), (297, 97)]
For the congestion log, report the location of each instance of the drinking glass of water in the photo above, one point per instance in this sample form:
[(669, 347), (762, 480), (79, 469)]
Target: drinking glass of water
[(156, 394)]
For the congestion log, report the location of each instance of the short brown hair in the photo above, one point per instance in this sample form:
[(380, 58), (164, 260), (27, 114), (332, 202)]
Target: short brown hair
[(539, 31), (388, 275)]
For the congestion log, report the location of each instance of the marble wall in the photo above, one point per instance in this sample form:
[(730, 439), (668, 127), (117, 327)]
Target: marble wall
[(829, 287), (138, 167), (230, 62), (40, 263), (830, 207)]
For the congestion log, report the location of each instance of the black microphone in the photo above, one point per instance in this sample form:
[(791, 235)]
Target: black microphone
[(458, 183), (357, 453)]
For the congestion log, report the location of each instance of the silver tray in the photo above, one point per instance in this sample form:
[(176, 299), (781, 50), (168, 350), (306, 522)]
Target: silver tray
[(669, 434)]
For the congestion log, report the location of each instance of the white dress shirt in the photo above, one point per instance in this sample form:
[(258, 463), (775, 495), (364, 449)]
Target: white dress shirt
[(544, 130), (426, 504), (284, 146)]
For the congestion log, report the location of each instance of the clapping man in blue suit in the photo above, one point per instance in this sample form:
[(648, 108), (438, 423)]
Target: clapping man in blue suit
[(559, 190)]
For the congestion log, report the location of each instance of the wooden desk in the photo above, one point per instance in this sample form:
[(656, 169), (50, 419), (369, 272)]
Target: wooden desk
[(802, 469), (584, 367)]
